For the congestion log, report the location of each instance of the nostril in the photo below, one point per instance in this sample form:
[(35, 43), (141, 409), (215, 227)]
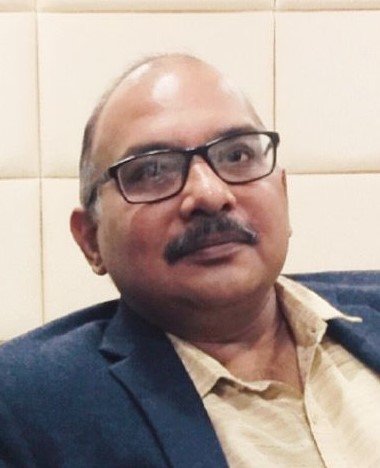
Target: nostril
[(198, 212), (228, 206)]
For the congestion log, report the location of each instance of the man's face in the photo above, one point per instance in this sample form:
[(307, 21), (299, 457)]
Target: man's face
[(185, 106)]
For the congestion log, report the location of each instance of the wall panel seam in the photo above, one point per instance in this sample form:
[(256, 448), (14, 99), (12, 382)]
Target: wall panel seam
[(274, 70), (333, 173), (325, 10), (142, 12), (38, 104)]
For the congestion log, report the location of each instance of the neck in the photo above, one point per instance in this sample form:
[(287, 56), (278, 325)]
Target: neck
[(250, 338), (260, 329), (263, 350)]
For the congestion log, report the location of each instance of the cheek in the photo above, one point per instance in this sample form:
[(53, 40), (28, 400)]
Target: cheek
[(275, 217), (266, 205), (129, 236)]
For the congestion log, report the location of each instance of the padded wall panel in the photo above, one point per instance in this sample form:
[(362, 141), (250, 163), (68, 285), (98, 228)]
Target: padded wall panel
[(17, 5), (81, 54), (335, 221), (69, 282), (153, 5), (327, 90), (20, 275), (18, 89), (327, 4)]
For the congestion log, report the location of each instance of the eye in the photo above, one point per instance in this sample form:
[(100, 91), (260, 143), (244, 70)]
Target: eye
[(238, 155), (155, 169), (143, 170)]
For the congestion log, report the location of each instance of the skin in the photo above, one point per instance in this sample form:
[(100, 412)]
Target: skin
[(220, 298)]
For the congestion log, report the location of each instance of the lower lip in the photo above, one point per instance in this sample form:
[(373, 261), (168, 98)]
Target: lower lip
[(214, 253)]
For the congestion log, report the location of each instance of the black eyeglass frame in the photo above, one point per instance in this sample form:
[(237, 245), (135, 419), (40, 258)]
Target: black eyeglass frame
[(112, 171)]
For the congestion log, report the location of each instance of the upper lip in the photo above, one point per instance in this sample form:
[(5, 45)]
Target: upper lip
[(217, 238)]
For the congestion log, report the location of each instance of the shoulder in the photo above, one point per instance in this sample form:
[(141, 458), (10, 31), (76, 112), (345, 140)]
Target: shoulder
[(61, 402), (355, 293), (352, 292), (51, 346)]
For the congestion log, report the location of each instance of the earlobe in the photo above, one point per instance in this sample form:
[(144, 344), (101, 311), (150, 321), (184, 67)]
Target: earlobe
[(284, 182), (84, 230)]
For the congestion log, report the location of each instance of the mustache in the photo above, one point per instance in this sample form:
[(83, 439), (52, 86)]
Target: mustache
[(207, 231)]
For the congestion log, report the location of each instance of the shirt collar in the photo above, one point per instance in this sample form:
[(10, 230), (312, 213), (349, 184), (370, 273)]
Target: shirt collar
[(306, 312), (204, 370)]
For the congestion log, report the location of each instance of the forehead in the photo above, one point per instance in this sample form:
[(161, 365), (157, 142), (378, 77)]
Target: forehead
[(184, 104)]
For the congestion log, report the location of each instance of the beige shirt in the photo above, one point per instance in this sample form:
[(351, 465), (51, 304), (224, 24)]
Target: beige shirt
[(334, 423)]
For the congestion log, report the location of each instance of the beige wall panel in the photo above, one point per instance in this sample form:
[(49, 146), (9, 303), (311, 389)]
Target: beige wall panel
[(336, 222), (153, 5), (328, 100), (81, 54), (20, 275), (17, 5), (69, 282), (327, 4), (18, 88)]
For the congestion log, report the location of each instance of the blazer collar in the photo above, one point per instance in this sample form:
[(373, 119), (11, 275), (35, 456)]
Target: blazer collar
[(145, 363), (360, 339), (354, 293)]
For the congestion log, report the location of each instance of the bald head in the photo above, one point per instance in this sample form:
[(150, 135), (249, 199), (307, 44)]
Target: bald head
[(146, 88)]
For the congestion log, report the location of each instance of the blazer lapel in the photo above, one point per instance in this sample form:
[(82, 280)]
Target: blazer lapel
[(354, 293), (147, 365), (361, 339)]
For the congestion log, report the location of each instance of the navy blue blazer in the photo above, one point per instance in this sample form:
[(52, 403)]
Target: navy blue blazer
[(102, 388)]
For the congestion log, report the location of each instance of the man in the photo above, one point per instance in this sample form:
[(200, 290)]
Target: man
[(209, 359)]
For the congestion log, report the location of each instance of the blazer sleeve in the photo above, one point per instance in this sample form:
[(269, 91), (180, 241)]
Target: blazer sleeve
[(14, 450)]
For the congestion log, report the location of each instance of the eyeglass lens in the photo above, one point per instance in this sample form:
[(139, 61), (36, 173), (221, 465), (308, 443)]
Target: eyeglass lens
[(235, 160)]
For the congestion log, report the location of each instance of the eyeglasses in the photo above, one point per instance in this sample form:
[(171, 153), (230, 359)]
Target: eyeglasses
[(161, 174)]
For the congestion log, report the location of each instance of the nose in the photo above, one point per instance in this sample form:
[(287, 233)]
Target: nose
[(204, 192)]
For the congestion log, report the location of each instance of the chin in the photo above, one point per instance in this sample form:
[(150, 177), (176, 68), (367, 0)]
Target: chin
[(222, 289)]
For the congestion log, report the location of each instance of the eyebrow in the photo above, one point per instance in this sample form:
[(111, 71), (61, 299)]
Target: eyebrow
[(137, 150), (232, 131)]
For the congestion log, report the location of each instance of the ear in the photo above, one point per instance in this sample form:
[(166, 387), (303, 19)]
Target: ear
[(84, 230), (285, 186)]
